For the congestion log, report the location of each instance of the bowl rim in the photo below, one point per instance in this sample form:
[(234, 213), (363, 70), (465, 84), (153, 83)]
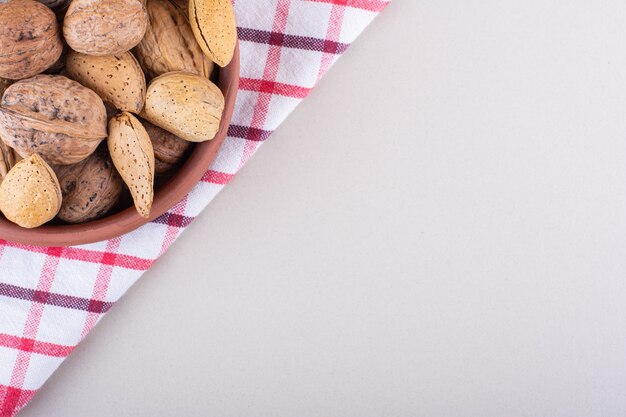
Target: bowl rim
[(167, 197)]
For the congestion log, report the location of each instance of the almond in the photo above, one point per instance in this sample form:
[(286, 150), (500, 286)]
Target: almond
[(133, 156), (185, 104), (30, 195), (118, 79), (214, 26)]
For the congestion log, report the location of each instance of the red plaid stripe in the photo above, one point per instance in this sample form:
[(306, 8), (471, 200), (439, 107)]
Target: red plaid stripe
[(216, 177), (369, 5), (269, 75), (22, 397), (13, 396), (34, 346), (272, 87), (80, 284), (91, 256), (100, 289)]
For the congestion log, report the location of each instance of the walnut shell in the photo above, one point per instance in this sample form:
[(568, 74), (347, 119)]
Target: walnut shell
[(162, 168), (30, 39), (105, 27), (169, 44), (185, 104), (4, 84), (59, 66), (133, 156), (7, 159), (90, 188), (169, 149), (118, 79), (30, 194), (56, 4), (53, 116)]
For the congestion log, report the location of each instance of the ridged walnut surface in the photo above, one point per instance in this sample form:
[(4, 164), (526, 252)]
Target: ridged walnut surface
[(53, 116)]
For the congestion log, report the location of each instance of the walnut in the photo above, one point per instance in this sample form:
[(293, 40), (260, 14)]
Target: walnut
[(169, 149), (53, 116), (30, 39), (90, 188), (105, 27), (169, 44)]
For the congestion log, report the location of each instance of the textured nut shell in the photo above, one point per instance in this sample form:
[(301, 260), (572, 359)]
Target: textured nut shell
[(118, 79), (56, 4), (4, 84), (185, 104), (90, 188), (169, 149), (53, 116), (162, 168), (214, 26), (105, 27), (169, 44), (30, 194), (59, 66), (7, 159), (133, 156), (30, 39)]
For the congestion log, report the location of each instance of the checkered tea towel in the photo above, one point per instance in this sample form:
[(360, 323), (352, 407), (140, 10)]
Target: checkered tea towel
[(50, 298)]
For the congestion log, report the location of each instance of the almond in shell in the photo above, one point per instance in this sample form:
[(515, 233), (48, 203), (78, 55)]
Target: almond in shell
[(185, 104), (118, 79), (214, 26), (133, 156), (30, 195)]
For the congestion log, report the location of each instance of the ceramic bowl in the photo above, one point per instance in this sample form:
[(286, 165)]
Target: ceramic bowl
[(126, 219)]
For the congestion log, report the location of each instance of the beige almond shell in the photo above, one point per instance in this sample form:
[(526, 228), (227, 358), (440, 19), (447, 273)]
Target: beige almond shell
[(185, 104), (30, 39), (30, 195), (214, 26), (169, 44), (118, 79), (105, 27), (90, 188), (133, 156), (169, 149), (53, 116)]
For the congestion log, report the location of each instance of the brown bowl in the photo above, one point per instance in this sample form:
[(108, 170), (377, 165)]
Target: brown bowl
[(166, 197)]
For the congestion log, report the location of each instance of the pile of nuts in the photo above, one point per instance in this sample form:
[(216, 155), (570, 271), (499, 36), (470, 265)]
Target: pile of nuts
[(101, 96)]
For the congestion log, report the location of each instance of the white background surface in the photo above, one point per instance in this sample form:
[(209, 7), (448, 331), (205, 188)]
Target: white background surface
[(439, 230)]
